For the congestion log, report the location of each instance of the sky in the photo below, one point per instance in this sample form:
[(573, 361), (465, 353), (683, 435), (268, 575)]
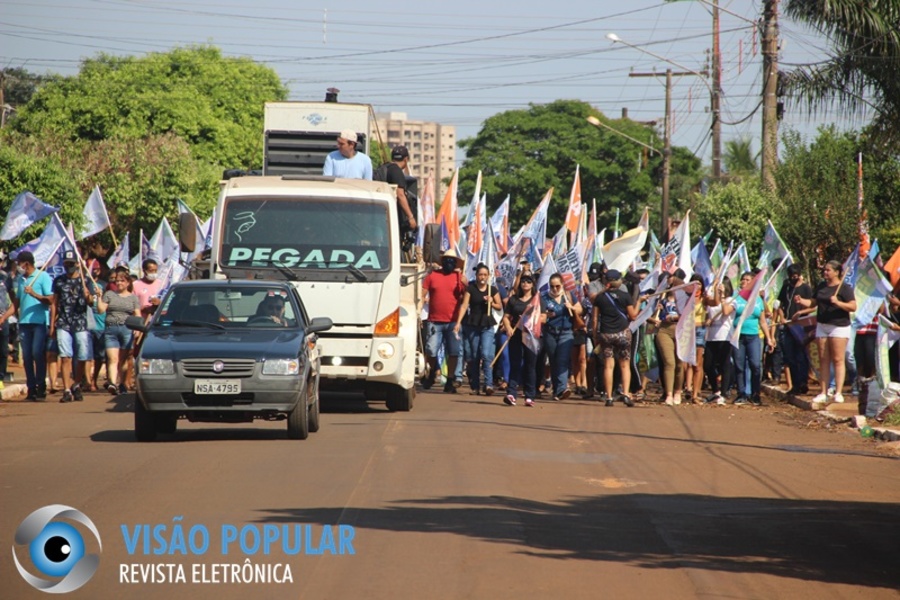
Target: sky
[(455, 63)]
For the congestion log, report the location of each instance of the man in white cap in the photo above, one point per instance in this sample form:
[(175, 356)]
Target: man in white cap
[(346, 162)]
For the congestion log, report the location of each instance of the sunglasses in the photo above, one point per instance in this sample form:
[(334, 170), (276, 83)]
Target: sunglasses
[(555, 287)]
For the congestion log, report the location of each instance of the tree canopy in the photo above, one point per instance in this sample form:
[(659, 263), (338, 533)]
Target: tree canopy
[(147, 130), (214, 103), (859, 74), (523, 153)]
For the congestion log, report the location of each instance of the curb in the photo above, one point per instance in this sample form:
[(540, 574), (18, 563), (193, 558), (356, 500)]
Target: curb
[(791, 399), (888, 435)]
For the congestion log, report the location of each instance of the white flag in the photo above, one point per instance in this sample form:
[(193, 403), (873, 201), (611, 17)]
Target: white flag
[(96, 218)]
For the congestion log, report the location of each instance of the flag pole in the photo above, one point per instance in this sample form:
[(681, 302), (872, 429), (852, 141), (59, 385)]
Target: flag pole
[(55, 250)]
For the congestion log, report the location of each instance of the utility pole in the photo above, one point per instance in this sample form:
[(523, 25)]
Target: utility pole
[(715, 91), (770, 90), (667, 145)]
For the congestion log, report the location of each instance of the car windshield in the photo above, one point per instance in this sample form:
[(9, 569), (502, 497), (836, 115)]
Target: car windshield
[(229, 306), (313, 238)]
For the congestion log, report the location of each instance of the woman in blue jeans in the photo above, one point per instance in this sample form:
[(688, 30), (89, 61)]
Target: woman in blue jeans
[(749, 353), (522, 358), (478, 329), (559, 309)]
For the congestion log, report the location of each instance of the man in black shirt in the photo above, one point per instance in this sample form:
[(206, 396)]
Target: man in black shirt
[(396, 175), (794, 348)]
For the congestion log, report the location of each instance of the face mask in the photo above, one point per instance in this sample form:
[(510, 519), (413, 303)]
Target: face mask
[(448, 265), (20, 270), (150, 277), (72, 269)]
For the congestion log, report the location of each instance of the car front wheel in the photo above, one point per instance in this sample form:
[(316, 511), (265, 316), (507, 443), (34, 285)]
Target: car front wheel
[(144, 423), (298, 420)]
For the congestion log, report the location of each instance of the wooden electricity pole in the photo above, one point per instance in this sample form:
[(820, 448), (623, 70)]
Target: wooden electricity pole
[(770, 91)]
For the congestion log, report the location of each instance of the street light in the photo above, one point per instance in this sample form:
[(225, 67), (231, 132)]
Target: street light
[(667, 136)]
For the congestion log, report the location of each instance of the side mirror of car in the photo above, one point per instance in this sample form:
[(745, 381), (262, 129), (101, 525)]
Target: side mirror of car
[(136, 324), (319, 324)]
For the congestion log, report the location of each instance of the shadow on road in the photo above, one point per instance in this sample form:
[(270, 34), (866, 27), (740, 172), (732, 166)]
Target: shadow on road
[(816, 540), (231, 434)]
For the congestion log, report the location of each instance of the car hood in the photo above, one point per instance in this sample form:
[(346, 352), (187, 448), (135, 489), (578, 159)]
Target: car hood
[(181, 343)]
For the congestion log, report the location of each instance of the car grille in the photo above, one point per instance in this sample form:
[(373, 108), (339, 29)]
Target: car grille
[(192, 399), (203, 367)]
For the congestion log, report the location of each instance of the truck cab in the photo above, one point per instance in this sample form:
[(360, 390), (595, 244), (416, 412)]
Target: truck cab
[(337, 241)]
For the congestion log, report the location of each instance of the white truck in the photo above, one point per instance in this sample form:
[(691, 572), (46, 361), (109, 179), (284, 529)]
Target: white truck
[(337, 241)]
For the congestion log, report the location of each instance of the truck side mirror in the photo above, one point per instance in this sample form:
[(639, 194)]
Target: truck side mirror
[(187, 231)]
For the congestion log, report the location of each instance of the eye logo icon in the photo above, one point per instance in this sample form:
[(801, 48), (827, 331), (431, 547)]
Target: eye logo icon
[(56, 549)]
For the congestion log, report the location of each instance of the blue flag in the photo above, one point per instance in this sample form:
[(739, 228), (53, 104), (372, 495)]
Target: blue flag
[(53, 238), (702, 263), (122, 255), (25, 210)]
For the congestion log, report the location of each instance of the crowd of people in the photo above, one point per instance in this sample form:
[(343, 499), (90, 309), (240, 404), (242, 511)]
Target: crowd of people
[(586, 343), (72, 326)]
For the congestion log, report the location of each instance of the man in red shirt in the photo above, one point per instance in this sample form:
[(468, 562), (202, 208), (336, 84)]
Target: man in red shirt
[(443, 291)]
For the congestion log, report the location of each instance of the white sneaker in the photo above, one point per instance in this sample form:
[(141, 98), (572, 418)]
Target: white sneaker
[(830, 392), (821, 398), (720, 400), (670, 401), (839, 398)]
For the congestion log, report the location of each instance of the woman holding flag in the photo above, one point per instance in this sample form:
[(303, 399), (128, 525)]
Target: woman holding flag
[(478, 329), (558, 334), (523, 343), (833, 300), (750, 315)]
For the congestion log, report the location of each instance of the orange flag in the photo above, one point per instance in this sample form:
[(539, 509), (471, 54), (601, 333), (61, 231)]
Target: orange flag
[(892, 266), (449, 211), (574, 215)]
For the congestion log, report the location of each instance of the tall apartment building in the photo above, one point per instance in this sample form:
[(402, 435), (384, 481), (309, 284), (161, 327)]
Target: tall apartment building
[(432, 147)]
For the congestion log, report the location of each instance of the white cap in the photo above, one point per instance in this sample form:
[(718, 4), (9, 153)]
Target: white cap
[(349, 135)]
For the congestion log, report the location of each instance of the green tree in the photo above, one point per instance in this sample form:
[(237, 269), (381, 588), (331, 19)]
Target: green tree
[(525, 152), (19, 85), (860, 74), (212, 102), (816, 212), (736, 211)]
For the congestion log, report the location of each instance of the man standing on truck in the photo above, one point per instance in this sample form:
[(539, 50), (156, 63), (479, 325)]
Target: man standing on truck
[(396, 175), (346, 162)]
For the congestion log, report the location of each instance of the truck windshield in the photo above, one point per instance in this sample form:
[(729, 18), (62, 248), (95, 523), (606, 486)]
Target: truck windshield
[(325, 236)]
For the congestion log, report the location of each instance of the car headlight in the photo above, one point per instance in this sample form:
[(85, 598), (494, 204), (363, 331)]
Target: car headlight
[(281, 366), (157, 366)]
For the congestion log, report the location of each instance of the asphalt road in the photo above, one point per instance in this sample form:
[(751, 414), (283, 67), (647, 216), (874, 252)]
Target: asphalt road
[(464, 498)]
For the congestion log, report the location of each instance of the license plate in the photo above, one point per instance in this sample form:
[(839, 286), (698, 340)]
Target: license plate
[(217, 386)]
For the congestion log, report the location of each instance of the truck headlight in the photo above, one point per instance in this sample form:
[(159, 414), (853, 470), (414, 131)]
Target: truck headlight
[(385, 350), (281, 366), (157, 366)]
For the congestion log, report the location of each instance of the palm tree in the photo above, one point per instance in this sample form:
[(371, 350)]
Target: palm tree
[(739, 158), (861, 73)]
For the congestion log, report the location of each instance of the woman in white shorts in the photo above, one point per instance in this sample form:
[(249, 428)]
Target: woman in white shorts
[(834, 301)]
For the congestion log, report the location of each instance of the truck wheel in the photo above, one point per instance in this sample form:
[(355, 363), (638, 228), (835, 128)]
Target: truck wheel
[(313, 402), (400, 399), (298, 420), (144, 423)]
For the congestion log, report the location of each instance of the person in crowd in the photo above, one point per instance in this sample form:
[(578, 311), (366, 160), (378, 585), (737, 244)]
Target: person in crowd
[(396, 175), (148, 287), (69, 324), (118, 306), (582, 348), (34, 293), (717, 355), (99, 282), (347, 161), (666, 319), (612, 313), (443, 291), (864, 349), (477, 324), (596, 283), (749, 354), (559, 311), (7, 310), (693, 374), (833, 301), (271, 309), (522, 358), (794, 350), (501, 366)]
